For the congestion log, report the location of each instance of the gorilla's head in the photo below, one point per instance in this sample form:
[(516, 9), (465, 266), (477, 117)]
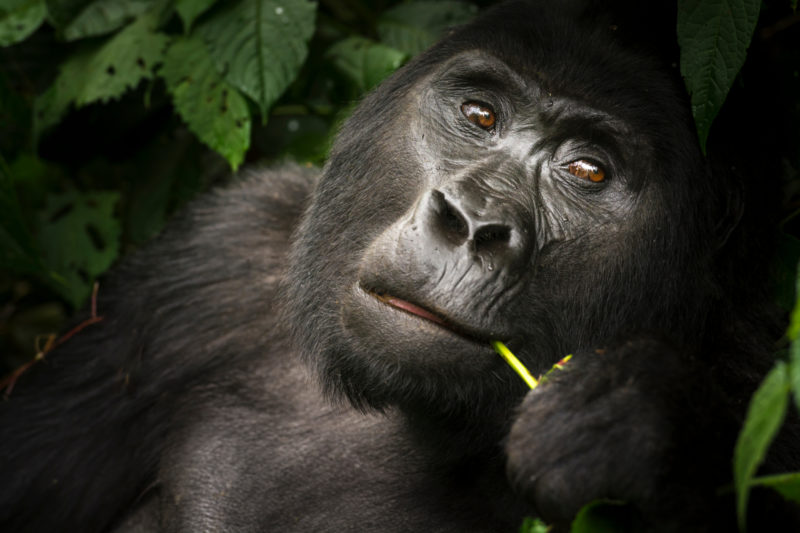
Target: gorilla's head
[(527, 179)]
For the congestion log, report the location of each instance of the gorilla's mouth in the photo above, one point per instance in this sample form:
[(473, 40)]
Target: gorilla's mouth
[(414, 309)]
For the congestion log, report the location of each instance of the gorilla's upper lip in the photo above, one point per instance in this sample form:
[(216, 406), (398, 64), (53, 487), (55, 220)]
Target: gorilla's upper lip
[(410, 307)]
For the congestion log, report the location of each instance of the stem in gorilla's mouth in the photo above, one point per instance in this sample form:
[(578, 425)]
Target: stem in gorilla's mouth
[(515, 363), (520, 369), (498, 346)]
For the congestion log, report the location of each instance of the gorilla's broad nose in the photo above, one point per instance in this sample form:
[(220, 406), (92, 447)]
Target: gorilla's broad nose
[(483, 229)]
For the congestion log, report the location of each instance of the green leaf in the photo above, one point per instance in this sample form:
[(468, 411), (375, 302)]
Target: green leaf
[(713, 36), (101, 72), (413, 26), (764, 416), (533, 525), (86, 18), (122, 62), (260, 45), (604, 516), (366, 63), (20, 18), (189, 10), (788, 485), (213, 110), (79, 237)]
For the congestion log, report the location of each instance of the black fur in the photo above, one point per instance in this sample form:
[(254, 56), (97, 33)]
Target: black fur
[(189, 407)]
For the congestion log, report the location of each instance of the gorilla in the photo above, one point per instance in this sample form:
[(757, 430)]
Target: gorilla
[(304, 353)]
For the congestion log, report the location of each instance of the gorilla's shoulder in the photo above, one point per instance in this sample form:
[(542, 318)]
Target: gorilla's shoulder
[(259, 203), (285, 186), (237, 230)]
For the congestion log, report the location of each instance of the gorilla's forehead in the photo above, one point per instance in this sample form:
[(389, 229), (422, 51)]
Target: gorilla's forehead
[(477, 71), (564, 51)]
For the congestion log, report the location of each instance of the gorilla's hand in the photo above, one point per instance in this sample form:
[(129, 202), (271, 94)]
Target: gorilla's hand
[(620, 424)]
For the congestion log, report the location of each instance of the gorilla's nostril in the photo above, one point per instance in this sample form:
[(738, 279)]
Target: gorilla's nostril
[(449, 221), (493, 238), (462, 218)]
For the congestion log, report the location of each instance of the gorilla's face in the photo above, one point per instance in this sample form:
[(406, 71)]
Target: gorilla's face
[(488, 191)]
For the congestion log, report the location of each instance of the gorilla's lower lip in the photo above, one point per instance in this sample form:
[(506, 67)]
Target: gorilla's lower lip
[(414, 309)]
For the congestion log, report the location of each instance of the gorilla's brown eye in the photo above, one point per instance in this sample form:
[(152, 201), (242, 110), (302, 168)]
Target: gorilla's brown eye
[(587, 170), (479, 114)]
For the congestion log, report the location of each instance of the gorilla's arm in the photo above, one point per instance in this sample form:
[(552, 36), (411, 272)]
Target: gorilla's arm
[(648, 425), (91, 419)]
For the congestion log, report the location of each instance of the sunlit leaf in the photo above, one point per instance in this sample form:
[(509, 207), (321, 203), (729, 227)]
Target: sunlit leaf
[(101, 72), (122, 62), (20, 18), (213, 110), (260, 45), (764, 416), (533, 525)]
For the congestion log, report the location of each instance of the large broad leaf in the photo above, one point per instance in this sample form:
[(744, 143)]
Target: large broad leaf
[(102, 72), (79, 237), (713, 36), (413, 26), (213, 110), (764, 416), (122, 62), (20, 18), (365, 62), (85, 18), (189, 10), (260, 45)]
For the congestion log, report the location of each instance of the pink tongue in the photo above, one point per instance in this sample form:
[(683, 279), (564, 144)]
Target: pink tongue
[(413, 309)]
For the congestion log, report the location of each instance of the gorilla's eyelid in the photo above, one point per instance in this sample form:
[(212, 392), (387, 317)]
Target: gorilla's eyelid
[(476, 69)]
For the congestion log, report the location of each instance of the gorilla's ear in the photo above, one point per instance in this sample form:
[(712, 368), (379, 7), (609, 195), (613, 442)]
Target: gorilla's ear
[(730, 207)]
